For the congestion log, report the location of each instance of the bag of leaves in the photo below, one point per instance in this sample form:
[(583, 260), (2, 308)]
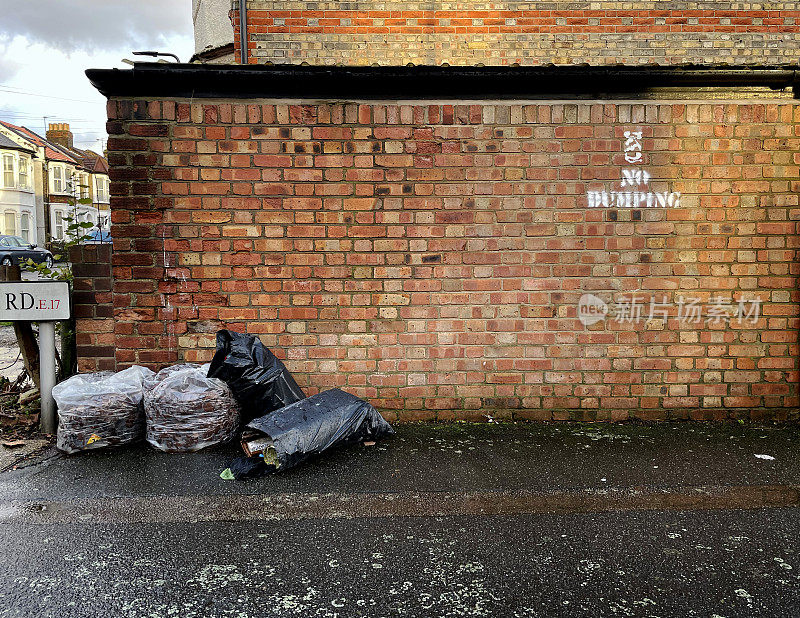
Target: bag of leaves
[(187, 411), (100, 409)]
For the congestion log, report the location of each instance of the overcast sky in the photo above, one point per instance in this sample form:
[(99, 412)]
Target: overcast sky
[(46, 45)]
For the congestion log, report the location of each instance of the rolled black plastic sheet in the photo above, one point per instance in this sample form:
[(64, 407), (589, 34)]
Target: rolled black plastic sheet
[(258, 379), (307, 428)]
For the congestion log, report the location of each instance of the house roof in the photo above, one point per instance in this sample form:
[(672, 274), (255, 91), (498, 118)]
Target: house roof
[(100, 162), (87, 159), (212, 52), (6, 143), (51, 151), (91, 161)]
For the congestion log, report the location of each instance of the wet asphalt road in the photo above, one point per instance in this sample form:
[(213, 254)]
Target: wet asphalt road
[(721, 563), (450, 457), (138, 533)]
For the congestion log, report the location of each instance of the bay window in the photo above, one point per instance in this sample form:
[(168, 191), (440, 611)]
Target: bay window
[(24, 172), (8, 171), (101, 189), (10, 224), (25, 227), (58, 217)]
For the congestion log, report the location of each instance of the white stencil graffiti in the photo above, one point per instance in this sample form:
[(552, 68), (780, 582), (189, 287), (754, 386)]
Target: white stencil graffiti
[(633, 199), (633, 146), (635, 184), (634, 178)]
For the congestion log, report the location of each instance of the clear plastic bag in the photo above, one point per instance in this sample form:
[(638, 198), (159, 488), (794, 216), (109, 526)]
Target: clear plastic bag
[(100, 409), (187, 411)]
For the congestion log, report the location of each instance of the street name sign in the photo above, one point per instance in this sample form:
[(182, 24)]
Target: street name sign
[(34, 301), (45, 302)]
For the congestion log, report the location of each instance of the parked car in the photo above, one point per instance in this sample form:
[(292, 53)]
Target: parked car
[(14, 250), (98, 236)]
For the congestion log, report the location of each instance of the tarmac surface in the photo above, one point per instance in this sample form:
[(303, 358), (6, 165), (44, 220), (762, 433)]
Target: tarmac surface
[(441, 520)]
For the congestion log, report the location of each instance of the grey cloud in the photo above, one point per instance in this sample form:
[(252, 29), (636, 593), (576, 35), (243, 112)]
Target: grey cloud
[(8, 67), (90, 25)]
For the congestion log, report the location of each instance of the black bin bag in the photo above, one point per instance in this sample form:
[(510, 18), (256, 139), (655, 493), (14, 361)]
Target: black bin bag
[(257, 378), (307, 428)]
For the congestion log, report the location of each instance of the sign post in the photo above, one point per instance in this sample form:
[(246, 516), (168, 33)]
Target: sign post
[(47, 375), (45, 302)]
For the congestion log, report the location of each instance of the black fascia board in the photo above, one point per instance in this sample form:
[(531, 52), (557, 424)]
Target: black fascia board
[(424, 82)]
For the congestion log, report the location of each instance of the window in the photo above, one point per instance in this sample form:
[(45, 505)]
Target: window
[(8, 171), (102, 189), (84, 185), (24, 172), (58, 179), (25, 227), (10, 224), (58, 217)]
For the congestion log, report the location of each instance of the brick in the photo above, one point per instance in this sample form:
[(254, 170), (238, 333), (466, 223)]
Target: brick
[(431, 257)]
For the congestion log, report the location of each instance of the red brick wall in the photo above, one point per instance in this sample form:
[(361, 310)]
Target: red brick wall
[(93, 307), (431, 257), (529, 33)]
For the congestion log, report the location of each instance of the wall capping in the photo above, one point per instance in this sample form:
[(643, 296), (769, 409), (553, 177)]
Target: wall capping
[(427, 82)]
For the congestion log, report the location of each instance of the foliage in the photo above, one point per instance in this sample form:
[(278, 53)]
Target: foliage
[(75, 235)]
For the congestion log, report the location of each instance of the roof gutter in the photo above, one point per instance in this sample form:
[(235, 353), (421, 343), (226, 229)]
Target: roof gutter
[(426, 82)]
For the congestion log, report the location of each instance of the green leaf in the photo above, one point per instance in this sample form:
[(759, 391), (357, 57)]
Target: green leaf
[(85, 200)]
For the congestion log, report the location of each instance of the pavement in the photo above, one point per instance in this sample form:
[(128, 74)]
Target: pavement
[(441, 520), (10, 457)]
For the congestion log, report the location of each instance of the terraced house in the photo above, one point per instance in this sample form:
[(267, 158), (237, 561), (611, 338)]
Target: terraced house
[(18, 196), (42, 178)]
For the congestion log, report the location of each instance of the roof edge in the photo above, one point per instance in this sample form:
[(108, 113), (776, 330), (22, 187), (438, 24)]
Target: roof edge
[(424, 82), (7, 143)]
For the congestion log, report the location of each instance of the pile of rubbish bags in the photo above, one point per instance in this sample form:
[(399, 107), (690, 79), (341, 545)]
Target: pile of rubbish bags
[(246, 391)]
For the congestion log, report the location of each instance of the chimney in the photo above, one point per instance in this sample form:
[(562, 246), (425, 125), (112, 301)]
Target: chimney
[(59, 133)]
